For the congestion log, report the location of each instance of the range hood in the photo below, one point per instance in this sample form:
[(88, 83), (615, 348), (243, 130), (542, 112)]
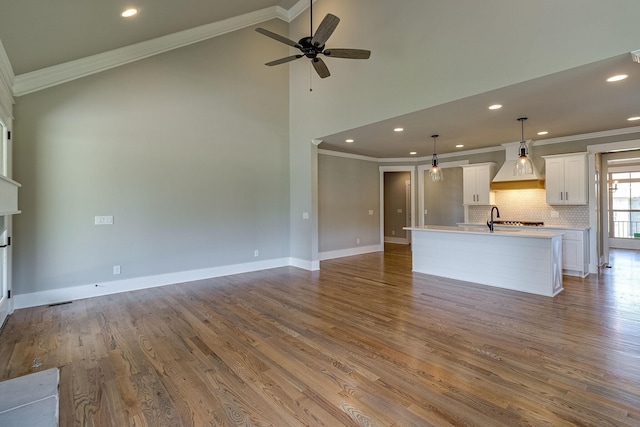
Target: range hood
[(505, 179)]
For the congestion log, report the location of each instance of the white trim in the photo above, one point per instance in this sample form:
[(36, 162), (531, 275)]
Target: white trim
[(617, 243), (304, 264), (6, 84), (347, 155), (634, 144), (107, 288), (397, 240), (297, 9), (341, 253), (62, 73), (593, 135), (410, 159)]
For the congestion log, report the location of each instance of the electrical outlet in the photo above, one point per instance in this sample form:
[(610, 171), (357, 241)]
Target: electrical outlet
[(370, 211), (358, 241), (116, 269), (425, 212), (393, 232), (399, 210), (256, 253), (555, 214), (305, 215)]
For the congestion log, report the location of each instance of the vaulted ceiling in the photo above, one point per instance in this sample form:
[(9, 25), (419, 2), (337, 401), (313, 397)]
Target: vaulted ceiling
[(44, 35)]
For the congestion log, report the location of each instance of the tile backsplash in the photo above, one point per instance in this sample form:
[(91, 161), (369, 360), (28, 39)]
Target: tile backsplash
[(531, 205)]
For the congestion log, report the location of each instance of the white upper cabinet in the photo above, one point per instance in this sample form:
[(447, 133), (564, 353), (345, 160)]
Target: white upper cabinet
[(476, 180), (566, 179)]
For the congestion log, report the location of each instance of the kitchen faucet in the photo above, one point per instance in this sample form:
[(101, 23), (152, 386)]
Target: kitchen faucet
[(490, 223)]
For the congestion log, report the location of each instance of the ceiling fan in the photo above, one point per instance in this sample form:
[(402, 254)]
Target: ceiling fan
[(314, 45)]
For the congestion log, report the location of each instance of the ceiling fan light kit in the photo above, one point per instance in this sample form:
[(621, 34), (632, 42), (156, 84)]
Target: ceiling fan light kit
[(314, 45)]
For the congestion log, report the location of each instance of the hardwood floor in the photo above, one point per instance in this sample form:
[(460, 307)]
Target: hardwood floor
[(363, 342)]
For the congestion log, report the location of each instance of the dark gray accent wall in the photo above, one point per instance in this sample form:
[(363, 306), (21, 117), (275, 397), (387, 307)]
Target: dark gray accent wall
[(395, 206)]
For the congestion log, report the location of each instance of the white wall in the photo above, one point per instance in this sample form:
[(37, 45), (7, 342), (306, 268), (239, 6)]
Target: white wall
[(188, 151)]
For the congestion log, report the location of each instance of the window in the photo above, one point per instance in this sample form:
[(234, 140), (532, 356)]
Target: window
[(624, 205)]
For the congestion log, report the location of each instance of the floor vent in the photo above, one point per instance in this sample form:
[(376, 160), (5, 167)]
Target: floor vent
[(60, 303)]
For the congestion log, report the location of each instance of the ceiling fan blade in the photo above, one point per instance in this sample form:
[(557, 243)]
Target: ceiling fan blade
[(283, 60), (321, 68), (325, 29), (278, 37), (348, 53)]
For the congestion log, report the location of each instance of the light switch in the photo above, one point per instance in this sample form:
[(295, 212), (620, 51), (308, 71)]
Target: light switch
[(305, 215), (399, 210), (104, 220), (370, 211)]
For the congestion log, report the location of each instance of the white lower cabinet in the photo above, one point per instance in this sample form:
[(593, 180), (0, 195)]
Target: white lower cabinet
[(575, 247), (575, 252)]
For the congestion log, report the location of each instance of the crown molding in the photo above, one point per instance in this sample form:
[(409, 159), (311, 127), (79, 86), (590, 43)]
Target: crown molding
[(297, 9), (51, 76), (6, 82), (593, 135)]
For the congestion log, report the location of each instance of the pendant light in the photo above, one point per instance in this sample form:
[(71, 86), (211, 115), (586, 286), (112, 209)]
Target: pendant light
[(523, 164), (436, 171)]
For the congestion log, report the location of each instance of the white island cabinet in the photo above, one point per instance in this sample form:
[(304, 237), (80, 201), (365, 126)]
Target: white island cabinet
[(518, 260)]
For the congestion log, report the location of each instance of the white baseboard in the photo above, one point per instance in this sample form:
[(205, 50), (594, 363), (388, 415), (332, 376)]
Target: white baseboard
[(304, 264), (107, 288), (633, 244), (397, 240), (350, 252)]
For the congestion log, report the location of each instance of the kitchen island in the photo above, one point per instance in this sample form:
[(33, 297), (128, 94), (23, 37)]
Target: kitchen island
[(519, 260)]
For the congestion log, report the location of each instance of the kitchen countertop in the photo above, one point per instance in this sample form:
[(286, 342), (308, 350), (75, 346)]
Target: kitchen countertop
[(473, 229), (539, 227)]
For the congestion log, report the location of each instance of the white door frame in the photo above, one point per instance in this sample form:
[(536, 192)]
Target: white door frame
[(383, 169), (595, 203), (6, 306)]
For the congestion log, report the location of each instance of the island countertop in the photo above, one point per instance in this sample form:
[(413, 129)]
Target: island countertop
[(513, 232)]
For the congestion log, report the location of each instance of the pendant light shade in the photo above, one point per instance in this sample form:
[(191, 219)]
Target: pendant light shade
[(436, 171), (523, 164)]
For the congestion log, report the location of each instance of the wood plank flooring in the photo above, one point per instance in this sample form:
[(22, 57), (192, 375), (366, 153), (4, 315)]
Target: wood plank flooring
[(363, 342)]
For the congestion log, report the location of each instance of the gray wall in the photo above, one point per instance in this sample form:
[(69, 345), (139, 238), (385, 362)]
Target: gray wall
[(443, 199), (188, 151), (345, 196), (394, 200)]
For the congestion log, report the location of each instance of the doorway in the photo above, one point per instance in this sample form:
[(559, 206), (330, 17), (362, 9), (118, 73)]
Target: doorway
[(623, 206), (397, 203), (599, 196)]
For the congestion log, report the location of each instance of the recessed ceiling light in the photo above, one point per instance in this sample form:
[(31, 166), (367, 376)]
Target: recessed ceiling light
[(459, 146), (495, 107), (617, 78), (398, 129), (129, 12), (543, 132), (633, 119), (349, 141), (413, 153)]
